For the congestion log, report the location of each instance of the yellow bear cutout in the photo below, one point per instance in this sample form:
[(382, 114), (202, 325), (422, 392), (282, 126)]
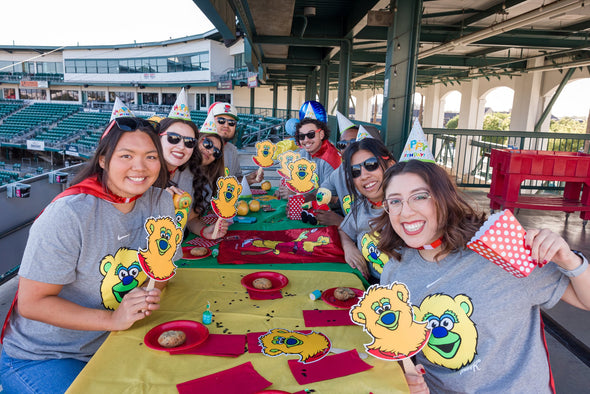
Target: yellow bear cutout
[(224, 204), (182, 204), (301, 173), (163, 238), (309, 347), (372, 254), (386, 315), (285, 159), (453, 341), (264, 153), (121, 274)]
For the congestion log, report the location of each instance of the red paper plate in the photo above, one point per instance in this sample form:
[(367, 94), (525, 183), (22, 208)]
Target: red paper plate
[(196, 333), (328, 297), (278, 281), (186, 253)]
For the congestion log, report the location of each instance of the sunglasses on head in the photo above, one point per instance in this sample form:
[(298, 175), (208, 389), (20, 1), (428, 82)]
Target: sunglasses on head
[(310, 135), (341, 145), (127, 123), (174, 138), (223, 120), (370, 165), (208, 144)]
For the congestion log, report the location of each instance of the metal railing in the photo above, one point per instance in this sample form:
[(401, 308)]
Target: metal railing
[(466, 153)]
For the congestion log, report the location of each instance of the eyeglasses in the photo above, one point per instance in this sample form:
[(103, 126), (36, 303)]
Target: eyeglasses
[(174, 138), (341, 145), (208, 144), (229, 121), (127, 123), (310, 135), (371, 164), (417, 202)]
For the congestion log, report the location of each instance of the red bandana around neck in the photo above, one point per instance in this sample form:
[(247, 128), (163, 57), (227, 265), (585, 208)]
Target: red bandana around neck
[(329, 154), (377, 204), (93, 187), (431, 246)]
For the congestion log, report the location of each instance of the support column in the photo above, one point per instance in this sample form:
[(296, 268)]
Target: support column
[(400, 73), (527, 94), (289, 98), (432, 106), (344, 76), (324, 84), (275, 94), (466, 155), (313, 86), (252, 100)]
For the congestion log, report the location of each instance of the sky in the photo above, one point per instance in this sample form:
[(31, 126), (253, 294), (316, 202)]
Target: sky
[(95, 22), (108, 22)]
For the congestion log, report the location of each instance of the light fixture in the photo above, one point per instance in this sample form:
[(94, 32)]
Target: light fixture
[(309, 11)]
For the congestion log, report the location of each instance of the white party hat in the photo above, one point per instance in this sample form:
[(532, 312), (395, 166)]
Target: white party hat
[(120, 109), (417, 147), (209, 126), (180, 108), (363, 133), (246, 192), (343, 122)]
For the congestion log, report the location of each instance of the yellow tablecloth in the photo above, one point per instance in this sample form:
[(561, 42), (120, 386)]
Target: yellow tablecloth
[(124, 364)]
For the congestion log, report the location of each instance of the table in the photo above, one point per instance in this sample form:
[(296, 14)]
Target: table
[(124, 364), (512, 167)]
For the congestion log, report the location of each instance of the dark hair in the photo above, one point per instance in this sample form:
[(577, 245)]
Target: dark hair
[(458, 220), (217, 168), (318, 123), (378, 149), (106, 147), (193, 163)]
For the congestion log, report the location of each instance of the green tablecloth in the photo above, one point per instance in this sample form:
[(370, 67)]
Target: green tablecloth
[(268, 221)]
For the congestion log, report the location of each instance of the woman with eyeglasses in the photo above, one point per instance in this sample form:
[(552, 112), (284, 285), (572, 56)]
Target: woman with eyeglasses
[(183, 160), (486, 327), (79, 277), (365, 162)]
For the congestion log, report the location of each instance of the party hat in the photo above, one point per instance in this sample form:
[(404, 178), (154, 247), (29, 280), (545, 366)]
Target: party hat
[(314, 110), (209, 126), (343, 122), (246, 192), (363, 133), (120, 109), (501, 240), (417, 146), (180, 108)]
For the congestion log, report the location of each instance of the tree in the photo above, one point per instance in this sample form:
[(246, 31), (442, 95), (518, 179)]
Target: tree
[(496, 121), (567, 125), (453, 123)]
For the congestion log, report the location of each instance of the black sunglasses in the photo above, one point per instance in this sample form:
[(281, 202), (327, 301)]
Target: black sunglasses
[(310, 135), (208, 144), (371, 164), (341, 145), (174, 139), (127, 123), (223, 120)]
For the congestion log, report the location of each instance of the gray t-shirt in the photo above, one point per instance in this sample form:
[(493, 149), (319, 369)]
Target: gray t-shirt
[(184, 180), (83, 243), (356, 226), (323, 168), (336, 183), (487, 335), (231, 159)]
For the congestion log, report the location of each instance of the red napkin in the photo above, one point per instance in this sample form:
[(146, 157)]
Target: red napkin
[(327, 317), (242, 379), (259, 295), (501, 240), (254, 345), (204, 243), (218, 345), (329, 367)]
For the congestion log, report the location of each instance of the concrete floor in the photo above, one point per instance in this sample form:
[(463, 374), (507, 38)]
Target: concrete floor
[(570, 374)]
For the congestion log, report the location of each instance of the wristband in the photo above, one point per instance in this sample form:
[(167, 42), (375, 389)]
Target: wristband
[(576, 271), (201, 232)]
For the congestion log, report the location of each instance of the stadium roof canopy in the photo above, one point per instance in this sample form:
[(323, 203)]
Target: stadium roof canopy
[(287, 40)]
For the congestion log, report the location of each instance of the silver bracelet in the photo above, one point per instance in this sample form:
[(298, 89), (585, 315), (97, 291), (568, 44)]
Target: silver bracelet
[(576, 271)]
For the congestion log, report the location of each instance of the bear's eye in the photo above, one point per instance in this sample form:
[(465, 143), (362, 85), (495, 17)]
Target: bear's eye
[(379, 310), (447, 323), (432, 324), (372, 249), (386, 306), (278, 340), (134, 271), (122, 274), (162, 233)]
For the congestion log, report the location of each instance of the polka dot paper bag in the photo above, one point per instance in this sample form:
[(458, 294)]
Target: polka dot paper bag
[(294, 206), (501, 240)]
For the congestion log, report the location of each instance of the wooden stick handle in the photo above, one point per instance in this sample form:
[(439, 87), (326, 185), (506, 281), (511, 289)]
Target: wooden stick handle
[(216, 228), (409, 367), (150, 285)]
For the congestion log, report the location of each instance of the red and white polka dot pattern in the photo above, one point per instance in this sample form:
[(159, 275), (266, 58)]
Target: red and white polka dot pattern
[(501, 240), (294, 206)]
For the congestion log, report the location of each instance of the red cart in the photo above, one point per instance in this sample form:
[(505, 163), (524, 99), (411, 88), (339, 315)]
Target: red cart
[(512, 167)]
